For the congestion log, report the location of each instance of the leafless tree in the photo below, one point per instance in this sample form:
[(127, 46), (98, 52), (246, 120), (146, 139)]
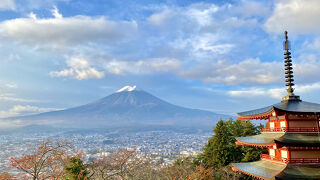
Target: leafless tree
[(46, 162), (122, 164)]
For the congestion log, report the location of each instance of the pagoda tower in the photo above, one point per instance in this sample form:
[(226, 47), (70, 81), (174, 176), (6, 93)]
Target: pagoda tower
[(291, 135)]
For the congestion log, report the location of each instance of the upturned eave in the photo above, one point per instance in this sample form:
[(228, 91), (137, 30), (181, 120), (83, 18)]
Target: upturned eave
[(260, 140)]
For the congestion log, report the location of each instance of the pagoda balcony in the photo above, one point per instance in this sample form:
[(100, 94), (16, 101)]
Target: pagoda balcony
[(291, 160), (291, 129)]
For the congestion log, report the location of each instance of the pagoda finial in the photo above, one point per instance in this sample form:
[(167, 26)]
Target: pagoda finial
[(288, 70)]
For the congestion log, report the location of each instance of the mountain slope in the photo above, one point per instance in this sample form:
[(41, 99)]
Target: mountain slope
[(127, 107)]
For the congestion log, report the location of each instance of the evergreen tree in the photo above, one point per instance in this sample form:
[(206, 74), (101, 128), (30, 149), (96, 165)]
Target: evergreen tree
[(216, 152), (76, 170), (221, 148), (222, 145)]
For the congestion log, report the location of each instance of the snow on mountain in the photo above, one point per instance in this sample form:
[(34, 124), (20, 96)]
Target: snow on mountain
[(127, 88)]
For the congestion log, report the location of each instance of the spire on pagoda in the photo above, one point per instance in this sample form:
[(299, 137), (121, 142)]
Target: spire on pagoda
[(288, 70), (291, 135)]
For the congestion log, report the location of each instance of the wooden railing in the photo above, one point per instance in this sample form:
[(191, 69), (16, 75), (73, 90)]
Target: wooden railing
[(292, 160), (291, 129), (267, 156)]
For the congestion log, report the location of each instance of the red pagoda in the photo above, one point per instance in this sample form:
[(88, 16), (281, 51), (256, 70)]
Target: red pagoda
[(291, 135)]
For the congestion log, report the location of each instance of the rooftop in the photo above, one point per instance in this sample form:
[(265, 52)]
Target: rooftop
[(297, 106), (268, 170), (288, 139)]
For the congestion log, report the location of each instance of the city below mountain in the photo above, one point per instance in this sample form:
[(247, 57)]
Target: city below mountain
[(128, 107)]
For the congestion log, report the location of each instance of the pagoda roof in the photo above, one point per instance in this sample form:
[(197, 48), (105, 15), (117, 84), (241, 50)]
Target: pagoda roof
[(259, 140), (260, 169), (296, 106), (305, 140), (264, 169), (287, 139), (300, 172)]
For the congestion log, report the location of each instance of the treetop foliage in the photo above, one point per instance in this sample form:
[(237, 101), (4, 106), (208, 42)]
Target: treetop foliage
[(221, 149)]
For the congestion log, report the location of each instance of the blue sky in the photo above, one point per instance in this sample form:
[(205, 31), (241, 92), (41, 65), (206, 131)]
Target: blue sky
[(224, 56)]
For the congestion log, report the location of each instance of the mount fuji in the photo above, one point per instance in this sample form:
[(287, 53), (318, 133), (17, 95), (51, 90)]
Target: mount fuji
[(124, 108)]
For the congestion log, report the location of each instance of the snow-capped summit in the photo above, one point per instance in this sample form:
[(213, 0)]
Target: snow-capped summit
[(127, 88)]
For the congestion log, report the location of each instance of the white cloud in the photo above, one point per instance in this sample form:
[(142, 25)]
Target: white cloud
[(203, 46), (10, 97), (10, 124), (33, 16), (253, 71), (161, 18), (159, 64), (143, 66), (276, 93), (313, 45), (205, 17), (202, 13), (7, 5), (19, 110), (297, 16), (199, 13), (307, 68), (119, 67), (55, 13), (7, 95), (61, 31), (307, 88), (201, 30), (11, 85), (206, 45), (23, 110), (79, 69), (250, 71)]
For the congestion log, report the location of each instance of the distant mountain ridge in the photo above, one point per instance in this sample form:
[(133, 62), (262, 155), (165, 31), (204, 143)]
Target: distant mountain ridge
[(127, 107)]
